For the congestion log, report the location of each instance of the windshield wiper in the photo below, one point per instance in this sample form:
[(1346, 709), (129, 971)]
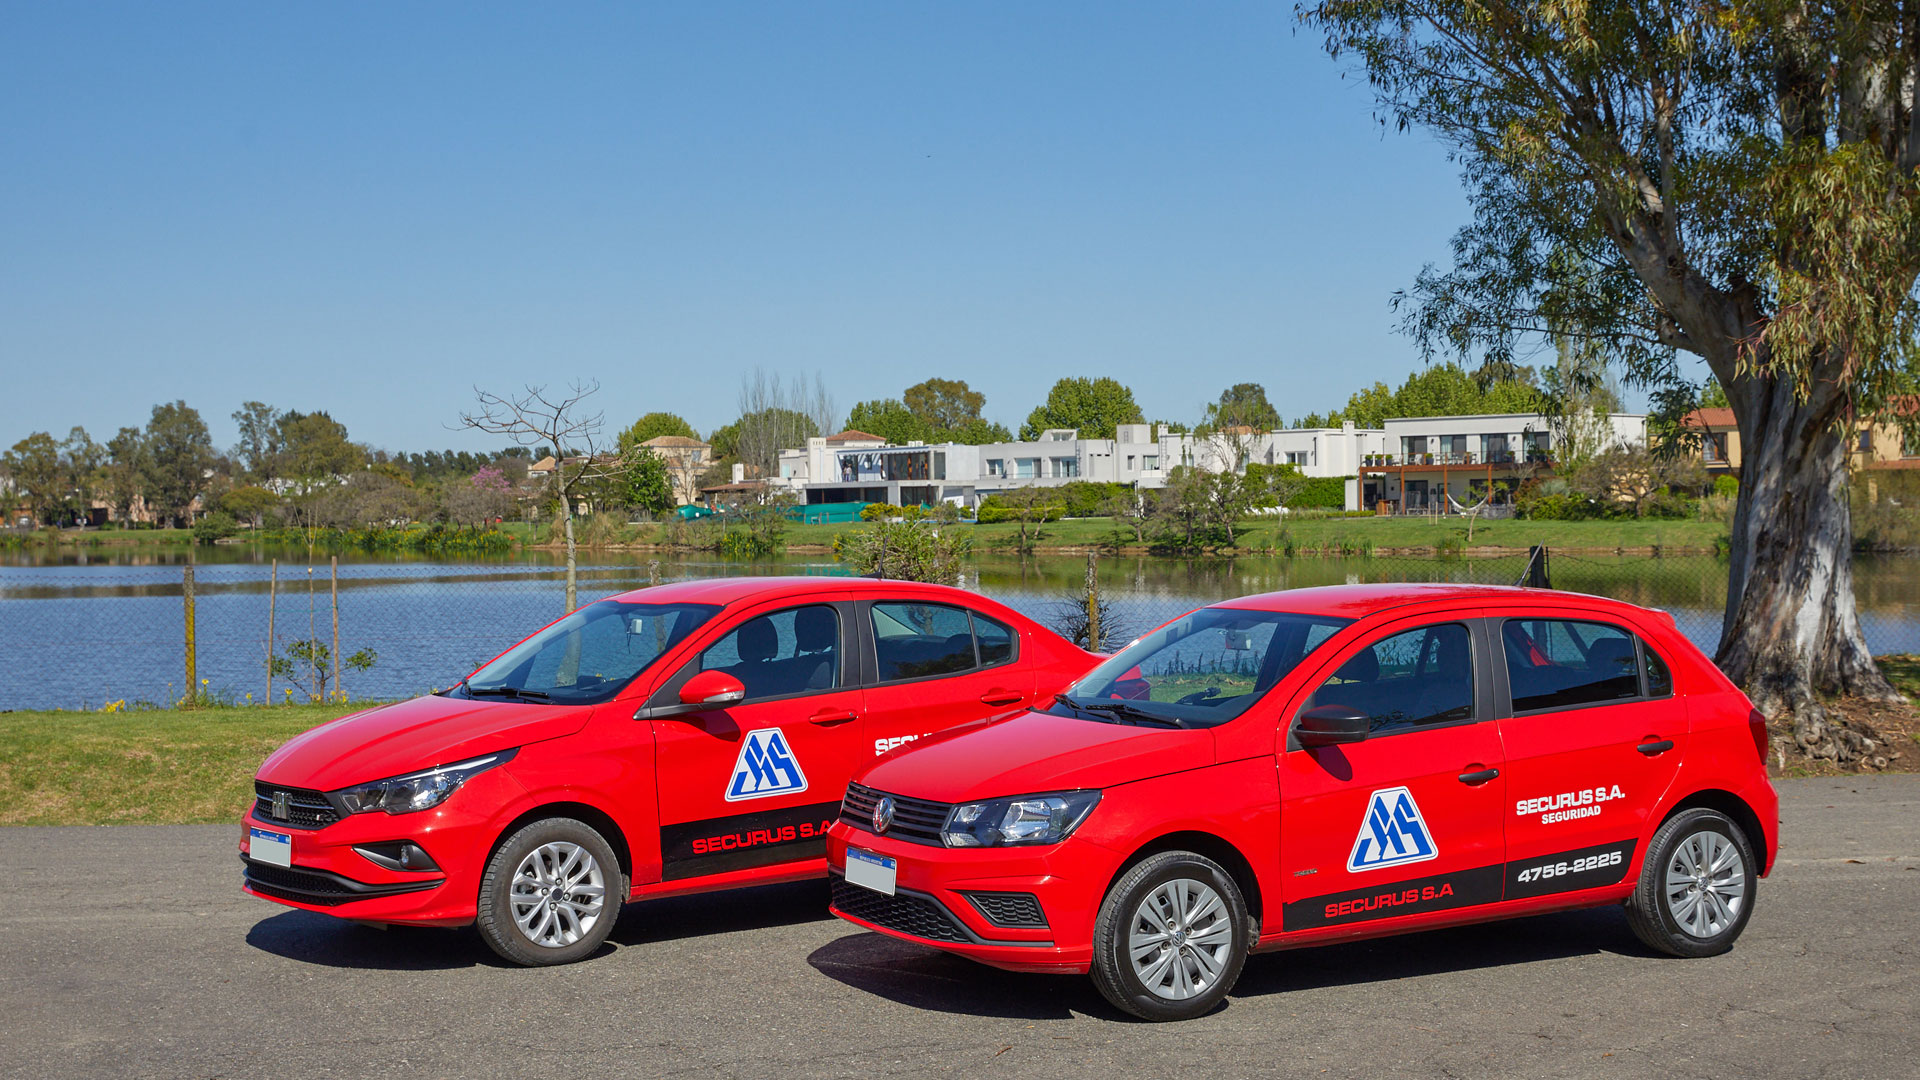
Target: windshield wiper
[(508, 691), (1113, 711)]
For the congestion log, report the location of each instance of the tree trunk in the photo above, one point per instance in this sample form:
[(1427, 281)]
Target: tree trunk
[(573, 591), (1792, 633)]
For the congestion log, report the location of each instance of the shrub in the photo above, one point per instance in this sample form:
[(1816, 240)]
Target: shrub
[(905, 551), (215, 526), (1726, 486)]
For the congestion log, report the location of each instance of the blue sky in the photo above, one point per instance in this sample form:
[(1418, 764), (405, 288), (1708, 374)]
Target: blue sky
[(369, 209)]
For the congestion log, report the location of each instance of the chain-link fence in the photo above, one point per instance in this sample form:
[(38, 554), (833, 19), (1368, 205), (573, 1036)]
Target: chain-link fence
[(84, 637)]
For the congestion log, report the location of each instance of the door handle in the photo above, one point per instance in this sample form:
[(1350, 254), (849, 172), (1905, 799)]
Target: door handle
[(1654, 749), (828, 717), (1478, 776), (1000, 697)]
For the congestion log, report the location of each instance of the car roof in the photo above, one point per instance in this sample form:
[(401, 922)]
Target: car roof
[(1360, 601), (728, 590)]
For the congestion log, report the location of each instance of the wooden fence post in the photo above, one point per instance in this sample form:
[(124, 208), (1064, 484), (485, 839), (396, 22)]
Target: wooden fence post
[(1093, 602), (192, 697), (273, 592), (334, 588)]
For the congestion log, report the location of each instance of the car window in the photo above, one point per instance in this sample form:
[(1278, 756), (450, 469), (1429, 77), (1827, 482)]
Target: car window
[(1659, 676), (795, 651), (589, 655), (994, 640), (1415, 678), (1564, 663), (914, 641)]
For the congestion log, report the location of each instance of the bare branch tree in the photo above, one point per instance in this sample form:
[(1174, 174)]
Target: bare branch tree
[(536, 417)]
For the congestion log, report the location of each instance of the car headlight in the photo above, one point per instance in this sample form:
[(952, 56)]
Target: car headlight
[(415, 791), (1024, 819)]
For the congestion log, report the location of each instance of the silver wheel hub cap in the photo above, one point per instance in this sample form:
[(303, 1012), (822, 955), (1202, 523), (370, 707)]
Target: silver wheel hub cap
[(1178, 939), (558, 894), (1706, 884)]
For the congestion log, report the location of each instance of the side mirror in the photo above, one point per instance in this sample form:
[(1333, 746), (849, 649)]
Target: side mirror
[(707, 690), (1331, 725), (712, 688)]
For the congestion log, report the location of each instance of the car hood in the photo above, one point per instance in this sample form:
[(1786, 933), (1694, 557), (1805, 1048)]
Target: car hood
[(1035, 752), (411, 735)]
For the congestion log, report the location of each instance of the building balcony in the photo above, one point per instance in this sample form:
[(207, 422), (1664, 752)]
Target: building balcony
[(1497, 459)]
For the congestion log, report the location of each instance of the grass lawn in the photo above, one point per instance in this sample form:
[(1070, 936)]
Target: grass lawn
[(155, 767)]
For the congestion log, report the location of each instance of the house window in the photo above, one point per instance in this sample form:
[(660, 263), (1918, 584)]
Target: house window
[(1412, 446), (1299, 457), (1714, 447), (1026, 468), (939, 465), (1866, 441), (1150, 462), (996, 467), (1910, 444), (1066, 466)]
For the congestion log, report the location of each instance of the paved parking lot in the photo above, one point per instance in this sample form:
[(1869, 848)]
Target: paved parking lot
[(131, 952)]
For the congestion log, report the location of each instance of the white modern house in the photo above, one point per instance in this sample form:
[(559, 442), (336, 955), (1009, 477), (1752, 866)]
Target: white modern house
[(1445, 463)]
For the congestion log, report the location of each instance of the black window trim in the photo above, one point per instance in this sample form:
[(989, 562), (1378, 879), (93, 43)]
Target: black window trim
[(1497, 628), (852, 659), (1485, 703), (870, 671)]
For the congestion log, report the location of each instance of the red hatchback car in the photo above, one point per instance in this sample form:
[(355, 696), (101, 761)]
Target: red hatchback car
[(675, 739), (1320, 765)]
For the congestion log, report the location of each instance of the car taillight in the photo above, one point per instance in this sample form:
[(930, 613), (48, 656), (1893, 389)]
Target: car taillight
[(1758, 725)]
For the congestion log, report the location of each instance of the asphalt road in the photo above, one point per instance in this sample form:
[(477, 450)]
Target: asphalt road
[(132, 952)]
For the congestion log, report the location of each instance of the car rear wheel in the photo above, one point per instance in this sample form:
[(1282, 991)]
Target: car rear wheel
[(1696, 886), (1171, 937), (551, 893)]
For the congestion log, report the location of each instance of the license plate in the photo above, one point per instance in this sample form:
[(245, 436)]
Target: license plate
[(272, 848), (870, 871)]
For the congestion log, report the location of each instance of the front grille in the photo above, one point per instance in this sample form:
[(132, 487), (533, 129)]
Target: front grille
[(1015, 910), (305, 809), (909, 914), (917, 821), (318, 886)]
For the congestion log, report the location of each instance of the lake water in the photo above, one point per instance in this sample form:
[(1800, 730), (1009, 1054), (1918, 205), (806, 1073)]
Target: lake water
[(79, 631)]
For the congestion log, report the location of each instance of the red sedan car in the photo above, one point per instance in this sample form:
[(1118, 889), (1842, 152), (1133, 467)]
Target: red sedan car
[(675, 739), (1320, 765)]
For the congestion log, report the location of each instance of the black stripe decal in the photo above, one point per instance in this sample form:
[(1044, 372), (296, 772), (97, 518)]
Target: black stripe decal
[(1544, 875), (742, 841)]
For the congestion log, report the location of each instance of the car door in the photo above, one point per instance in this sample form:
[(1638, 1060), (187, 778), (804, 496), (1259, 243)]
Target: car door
[(1408, 821), (931, 666), (757, 782), (1593, 736)]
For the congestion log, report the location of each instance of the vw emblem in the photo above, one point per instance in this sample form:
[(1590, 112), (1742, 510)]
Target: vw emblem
[(282, 805), (883, 814)]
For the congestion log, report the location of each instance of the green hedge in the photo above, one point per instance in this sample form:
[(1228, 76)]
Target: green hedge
[(1320, 492)]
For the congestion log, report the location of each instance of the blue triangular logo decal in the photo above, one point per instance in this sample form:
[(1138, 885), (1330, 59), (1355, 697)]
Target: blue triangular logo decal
[(1392, 833), (766, 766)]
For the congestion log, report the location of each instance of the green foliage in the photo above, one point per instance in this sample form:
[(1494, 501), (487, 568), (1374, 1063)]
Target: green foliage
[(905, 551), (1092, 406), (944, 405), (652, 426), (178, 454), (217, 525), (432, 539), (646, 484), (1305, 492), (1726, 486), (308, 665), (996, 509), (1090, 498), (249, 502), (1436, 390), (890, 420), (1243, 405)]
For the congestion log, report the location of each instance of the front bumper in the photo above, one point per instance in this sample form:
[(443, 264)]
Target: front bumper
[(330, 877), (965, 900)]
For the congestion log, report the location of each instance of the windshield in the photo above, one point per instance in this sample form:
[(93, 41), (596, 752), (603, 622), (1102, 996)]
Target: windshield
[(1199, 670), (590, 655)]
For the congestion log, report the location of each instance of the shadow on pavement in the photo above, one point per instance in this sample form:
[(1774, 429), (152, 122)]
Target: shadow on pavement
[(322, 939), (726, 912), (312, 938), (925, 978)]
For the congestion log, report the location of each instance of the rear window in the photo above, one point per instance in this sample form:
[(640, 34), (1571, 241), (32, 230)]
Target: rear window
[(920, 641)]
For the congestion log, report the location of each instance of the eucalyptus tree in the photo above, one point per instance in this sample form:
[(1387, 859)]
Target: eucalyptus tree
[(1729, 182)]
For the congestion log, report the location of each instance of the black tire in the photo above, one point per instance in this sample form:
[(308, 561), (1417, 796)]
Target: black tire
[(497, 900), (1113, 968), (1651, 910)]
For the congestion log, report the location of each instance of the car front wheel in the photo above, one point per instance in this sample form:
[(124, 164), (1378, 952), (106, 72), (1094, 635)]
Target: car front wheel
[(1696, 886), (551, 893), (1171, 937)]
